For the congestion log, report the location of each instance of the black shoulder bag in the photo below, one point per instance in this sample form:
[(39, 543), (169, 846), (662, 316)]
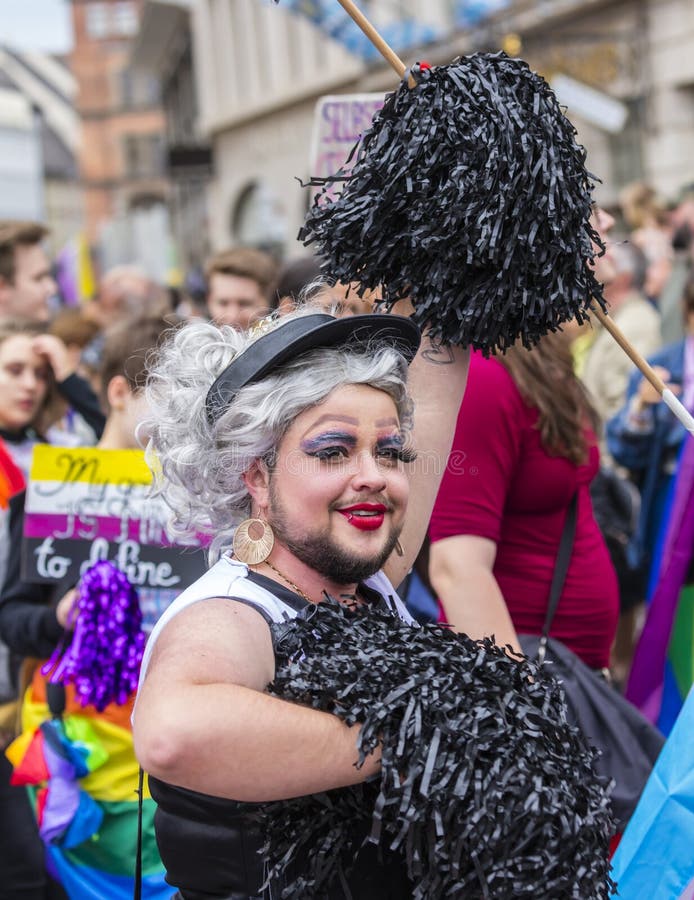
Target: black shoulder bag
[(628, 743)]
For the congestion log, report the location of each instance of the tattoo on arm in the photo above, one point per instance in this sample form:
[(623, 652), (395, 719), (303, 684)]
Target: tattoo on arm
[(439, 354)]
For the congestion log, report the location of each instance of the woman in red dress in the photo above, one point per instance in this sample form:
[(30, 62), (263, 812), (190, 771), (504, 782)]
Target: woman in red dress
[(525, 444)]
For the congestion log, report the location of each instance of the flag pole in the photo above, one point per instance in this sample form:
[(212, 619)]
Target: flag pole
[(376, 39)]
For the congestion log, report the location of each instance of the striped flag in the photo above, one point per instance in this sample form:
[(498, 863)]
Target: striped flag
[(663, 668), (88, 817), (11, 478), (74, 272)]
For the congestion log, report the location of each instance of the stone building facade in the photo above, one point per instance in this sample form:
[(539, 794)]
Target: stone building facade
[(164, 50), (640, 52), (627, 67)]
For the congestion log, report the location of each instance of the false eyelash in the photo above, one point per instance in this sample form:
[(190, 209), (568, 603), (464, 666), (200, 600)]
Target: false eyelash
[(403, 454)]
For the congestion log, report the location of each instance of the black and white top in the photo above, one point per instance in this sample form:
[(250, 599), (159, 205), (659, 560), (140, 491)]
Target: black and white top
[(210, 845)]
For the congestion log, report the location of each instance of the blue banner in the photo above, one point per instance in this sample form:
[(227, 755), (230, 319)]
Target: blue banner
[(329, 16), (467, 13), (402, 33), (655, 858)]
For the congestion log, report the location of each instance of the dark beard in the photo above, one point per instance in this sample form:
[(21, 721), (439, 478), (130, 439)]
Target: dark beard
[(324, 556), (321, 554)]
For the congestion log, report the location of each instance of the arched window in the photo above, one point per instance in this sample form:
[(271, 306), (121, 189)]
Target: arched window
[(258, 218)]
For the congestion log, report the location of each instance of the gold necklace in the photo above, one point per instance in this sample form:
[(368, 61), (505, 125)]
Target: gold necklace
[(294, 587)]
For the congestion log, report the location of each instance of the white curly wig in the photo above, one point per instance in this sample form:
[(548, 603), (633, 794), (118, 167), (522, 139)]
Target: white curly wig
[(199, 464)]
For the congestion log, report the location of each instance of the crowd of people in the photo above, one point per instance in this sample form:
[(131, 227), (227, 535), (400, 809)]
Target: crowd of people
[(527, 434)]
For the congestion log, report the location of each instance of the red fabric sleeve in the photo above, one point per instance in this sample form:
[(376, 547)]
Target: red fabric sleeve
[(485, 452)]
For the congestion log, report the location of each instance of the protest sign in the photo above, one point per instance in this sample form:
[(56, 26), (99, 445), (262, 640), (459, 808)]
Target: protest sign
[(338, 123), (84, 505)]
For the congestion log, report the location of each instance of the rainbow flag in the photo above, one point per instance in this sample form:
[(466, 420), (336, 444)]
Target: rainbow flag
[(11, 478), (663, 669), (82, 777)]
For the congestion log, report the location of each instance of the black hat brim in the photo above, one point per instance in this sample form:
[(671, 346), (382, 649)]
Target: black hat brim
[(310, 332)]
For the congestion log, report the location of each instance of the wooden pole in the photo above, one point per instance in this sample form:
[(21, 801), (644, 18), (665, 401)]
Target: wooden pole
[(646, 370), (609, 324), (383, 48)]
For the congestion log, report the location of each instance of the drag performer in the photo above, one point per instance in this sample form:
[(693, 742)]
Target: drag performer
[(295, 448)]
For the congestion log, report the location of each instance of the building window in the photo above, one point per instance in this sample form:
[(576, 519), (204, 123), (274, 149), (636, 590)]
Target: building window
[(627, 145), (143, 155), (137, 89), (124, 18), (258, 218), (112, 19), (131, 155), (98, 20), (126, 87)]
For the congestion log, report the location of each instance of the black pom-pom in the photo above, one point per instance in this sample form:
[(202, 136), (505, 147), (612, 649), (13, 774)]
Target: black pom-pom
[(485, 788), (470, 196)]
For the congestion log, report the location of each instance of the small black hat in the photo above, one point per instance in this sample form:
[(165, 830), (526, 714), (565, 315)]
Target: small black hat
[(309, 332)]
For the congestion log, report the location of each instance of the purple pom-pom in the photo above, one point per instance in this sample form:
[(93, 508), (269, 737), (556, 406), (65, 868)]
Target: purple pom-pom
[(104, 656)]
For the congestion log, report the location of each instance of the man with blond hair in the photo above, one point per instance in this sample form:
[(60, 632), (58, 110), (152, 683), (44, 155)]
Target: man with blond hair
[(239, 283), (26, 281)]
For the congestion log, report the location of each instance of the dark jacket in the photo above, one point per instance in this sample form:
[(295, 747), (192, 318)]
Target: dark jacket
[(28, 623)]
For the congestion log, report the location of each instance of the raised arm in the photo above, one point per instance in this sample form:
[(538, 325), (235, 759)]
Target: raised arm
[(72, 387), (437, 381), (203, 722)]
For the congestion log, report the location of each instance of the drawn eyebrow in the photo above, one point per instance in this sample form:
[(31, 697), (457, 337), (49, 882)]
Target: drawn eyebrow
[(331, 417)]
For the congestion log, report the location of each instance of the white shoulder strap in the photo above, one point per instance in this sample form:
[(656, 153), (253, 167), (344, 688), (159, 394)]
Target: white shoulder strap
[(226, 578)]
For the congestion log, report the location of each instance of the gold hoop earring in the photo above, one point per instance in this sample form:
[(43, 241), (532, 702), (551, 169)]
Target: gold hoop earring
[(253, 541), (398, 548)]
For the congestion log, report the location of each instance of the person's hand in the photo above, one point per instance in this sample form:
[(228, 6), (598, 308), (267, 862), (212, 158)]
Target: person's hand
[(56, 354), (647, 395), (64, 608)]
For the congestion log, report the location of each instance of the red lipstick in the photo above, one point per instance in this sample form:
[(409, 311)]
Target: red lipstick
[(365, 516)]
